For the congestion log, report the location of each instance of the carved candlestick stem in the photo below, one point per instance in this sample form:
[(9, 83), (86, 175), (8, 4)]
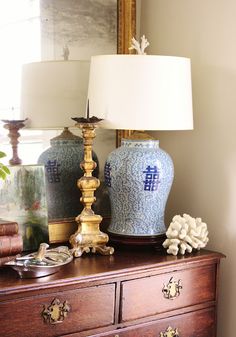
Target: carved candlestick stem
[(14, 126), (88, 237)]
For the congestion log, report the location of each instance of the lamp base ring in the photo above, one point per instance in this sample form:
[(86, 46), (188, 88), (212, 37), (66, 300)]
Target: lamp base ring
[(138, 241)]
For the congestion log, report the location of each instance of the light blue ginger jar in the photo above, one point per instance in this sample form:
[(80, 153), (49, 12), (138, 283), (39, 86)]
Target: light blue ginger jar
[(62, 169), (138, 176)]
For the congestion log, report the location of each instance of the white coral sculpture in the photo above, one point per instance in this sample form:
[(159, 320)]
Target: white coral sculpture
[(185, 234), (139, 47)]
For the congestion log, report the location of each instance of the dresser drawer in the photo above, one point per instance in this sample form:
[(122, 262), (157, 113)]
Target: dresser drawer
[(58, 313), (195, 324), (161, 293)]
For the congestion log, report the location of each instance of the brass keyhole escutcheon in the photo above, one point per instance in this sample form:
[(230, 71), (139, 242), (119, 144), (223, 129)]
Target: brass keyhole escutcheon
[(170, 332), (56, 312), (171, 290)]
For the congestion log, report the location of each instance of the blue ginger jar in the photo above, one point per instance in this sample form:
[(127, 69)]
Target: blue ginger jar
[(139, 177), (62, 169)]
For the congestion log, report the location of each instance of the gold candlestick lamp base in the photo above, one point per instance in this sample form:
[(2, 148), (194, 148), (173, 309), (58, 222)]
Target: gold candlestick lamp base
[(88, 237)]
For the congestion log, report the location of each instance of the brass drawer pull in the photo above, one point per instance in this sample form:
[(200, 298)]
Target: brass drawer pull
[(170, 332), (56, 312), (171, 290)]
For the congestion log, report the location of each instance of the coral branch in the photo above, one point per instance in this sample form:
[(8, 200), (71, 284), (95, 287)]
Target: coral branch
[(185, 234), (139, 47)]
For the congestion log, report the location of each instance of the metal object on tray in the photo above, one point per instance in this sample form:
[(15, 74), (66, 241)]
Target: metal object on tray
[(41, 263)]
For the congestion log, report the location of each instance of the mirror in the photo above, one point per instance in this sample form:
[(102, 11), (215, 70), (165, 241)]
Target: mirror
[(57, 30), (78, 29), (115, 23)]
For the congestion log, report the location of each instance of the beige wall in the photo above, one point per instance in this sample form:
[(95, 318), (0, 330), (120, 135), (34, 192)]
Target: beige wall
[(205, 159)]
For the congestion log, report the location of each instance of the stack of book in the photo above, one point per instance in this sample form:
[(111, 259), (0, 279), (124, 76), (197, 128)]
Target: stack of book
[(11, 242)]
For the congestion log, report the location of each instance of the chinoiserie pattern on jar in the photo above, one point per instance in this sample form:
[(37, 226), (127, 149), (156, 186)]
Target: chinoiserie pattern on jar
[(138, 176), (62, 167)]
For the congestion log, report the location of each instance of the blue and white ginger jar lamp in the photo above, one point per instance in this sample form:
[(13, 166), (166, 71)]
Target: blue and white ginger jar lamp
[(52, 93), (140, 92), (62, 169), (141, 174)]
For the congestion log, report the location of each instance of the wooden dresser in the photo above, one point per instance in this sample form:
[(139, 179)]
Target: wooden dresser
[(129, 294)]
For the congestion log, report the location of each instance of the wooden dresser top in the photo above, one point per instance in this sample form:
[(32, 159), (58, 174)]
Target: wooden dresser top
[(91, 267)]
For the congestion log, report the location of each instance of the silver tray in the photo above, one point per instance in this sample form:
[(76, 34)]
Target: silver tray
[(41, 263)]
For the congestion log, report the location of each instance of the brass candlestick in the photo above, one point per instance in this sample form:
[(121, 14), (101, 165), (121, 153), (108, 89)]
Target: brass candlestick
[(88, 237), (14, 126)]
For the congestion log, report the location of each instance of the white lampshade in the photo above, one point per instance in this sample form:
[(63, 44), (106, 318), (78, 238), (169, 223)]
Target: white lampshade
[(141, 92), (53, 92)]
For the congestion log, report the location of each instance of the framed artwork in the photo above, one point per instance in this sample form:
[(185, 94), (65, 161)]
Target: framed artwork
[(23, 199)]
